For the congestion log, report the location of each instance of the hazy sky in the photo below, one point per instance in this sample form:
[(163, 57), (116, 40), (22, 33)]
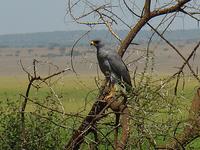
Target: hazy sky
[(18, 16), (22, 16)]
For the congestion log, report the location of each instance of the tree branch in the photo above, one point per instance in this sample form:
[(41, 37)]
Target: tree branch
[(147, 7), (171, 9), (144, 19)]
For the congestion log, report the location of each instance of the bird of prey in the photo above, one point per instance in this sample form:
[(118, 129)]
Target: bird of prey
[(112, 65)]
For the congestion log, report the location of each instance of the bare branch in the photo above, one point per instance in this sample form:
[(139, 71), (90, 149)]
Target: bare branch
[(109, 27), (177, 51), (144, 19), (147, 7), (171, 9)]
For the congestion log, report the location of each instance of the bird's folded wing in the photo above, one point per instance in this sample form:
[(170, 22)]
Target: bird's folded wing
[(119, 67)]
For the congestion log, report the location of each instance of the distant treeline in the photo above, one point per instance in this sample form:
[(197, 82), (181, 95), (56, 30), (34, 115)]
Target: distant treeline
[(63, 39)]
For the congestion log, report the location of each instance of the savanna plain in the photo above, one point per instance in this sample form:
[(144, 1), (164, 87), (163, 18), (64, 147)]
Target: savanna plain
[(75, 92)]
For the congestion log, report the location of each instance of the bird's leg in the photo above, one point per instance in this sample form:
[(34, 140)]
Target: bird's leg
[(112, 91)]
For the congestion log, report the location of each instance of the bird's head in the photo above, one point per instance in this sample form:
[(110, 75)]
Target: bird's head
[(96, 43)]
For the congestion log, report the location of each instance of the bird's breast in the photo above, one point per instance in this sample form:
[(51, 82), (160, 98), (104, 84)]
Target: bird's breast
[(104, 65)]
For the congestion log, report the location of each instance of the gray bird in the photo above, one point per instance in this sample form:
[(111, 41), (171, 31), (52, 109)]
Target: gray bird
[(112, 65)]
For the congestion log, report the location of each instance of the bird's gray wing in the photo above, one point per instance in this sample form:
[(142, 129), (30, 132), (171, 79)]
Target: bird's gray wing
[(119, 67)]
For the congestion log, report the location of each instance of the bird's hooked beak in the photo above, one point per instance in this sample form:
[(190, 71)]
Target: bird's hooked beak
[(92, 43), (96, 43)]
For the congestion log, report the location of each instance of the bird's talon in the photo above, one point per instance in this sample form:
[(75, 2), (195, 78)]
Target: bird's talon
[(109, 96)]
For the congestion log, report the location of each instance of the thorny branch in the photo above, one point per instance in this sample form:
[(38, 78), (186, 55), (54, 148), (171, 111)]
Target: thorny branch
[(191, 129), (32, 79), (148, 13)]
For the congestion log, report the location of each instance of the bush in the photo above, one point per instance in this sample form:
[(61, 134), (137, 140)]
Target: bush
[(42, 128)]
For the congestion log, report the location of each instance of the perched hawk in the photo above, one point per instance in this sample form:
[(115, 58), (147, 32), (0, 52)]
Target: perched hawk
[(112, 65)]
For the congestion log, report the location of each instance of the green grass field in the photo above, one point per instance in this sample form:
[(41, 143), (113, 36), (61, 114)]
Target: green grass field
[(77, 94), (72, 91)]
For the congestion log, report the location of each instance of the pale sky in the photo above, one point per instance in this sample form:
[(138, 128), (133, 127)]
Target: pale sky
[(27, 16), (21, 16)]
